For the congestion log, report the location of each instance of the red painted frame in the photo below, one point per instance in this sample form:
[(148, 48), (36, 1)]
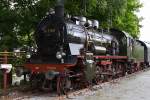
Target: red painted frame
[(47, 67), (111, 57), (62, 67)]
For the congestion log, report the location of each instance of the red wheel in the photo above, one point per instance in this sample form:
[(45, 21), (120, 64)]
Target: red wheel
[(98, 72), (63, 85), (59, 85)]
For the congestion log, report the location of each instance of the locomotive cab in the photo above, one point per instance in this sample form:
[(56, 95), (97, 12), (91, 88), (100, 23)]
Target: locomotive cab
[(126, 43)]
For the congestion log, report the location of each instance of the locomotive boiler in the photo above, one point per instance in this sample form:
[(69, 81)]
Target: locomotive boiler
[(73, 52), (60, 40)]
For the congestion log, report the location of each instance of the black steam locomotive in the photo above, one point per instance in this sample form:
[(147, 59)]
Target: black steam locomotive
[(72, 51)]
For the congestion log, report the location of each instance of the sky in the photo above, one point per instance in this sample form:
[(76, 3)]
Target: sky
[(145, 13)]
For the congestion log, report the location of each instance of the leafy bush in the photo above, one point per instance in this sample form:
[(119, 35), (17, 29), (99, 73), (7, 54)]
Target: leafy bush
[(1, 79)]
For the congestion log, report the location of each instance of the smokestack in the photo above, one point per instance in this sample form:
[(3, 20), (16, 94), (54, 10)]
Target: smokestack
[(59, 8)]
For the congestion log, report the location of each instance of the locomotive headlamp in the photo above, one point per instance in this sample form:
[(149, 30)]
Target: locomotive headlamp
[(58, 55), (32, 49), (35, 50), (28, 55), (17, 52)]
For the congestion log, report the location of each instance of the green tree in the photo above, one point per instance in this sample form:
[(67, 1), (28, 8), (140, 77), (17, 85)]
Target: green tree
[(19, 18), (8, 21)]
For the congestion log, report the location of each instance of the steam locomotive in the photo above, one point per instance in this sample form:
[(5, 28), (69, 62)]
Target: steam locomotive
[(73, 52)]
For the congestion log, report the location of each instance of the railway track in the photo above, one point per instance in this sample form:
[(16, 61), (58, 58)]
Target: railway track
[(24, 93)]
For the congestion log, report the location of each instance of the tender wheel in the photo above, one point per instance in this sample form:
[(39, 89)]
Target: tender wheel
[(109, 78)]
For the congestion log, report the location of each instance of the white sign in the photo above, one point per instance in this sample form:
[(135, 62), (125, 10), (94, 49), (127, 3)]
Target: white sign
[(8, 67)]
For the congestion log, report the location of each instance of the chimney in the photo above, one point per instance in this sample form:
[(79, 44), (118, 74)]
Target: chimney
[(59, 8)]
